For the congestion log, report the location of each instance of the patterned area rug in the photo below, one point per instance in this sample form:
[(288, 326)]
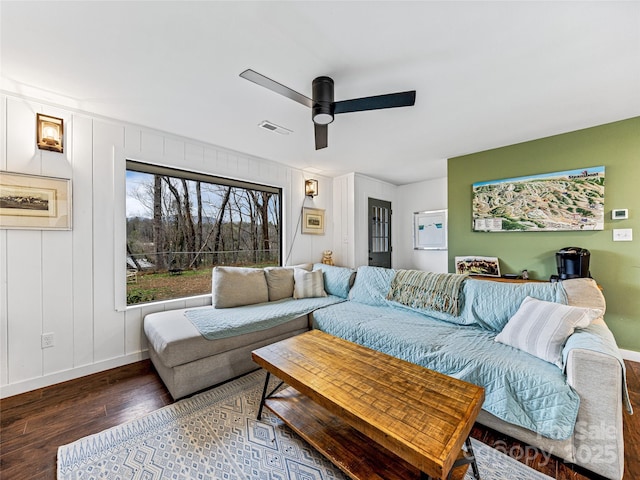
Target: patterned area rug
[(215, 435)]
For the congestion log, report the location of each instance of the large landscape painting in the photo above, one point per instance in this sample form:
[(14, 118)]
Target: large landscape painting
[(569, 200)]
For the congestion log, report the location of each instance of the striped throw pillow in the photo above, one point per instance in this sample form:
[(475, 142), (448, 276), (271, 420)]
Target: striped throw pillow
[(542, 328), (308, 284)]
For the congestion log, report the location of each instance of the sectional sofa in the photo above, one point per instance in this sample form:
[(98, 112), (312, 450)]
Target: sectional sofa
[(551, 370)]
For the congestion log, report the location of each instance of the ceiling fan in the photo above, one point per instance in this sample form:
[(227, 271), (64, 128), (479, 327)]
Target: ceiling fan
[(322, 105)]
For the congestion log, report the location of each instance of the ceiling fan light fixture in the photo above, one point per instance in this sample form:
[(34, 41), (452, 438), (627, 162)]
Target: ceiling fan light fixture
[(322, 110), (321, 118)]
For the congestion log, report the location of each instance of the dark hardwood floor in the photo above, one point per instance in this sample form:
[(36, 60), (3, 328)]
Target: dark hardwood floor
[(34, 424)]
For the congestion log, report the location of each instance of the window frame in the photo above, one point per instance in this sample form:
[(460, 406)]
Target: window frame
[(154, 169)]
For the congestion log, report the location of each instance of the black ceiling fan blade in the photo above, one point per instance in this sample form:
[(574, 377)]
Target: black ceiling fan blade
[(322, 135), (390, 100), (274, 86)]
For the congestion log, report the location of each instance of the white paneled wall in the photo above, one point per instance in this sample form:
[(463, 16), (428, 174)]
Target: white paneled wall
[(66, 282), (350, 203), (365, 188), (344, 227), (417, 197), (82, 241)]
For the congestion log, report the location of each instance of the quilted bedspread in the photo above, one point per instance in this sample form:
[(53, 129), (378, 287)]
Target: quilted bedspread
[(216, 323), (519, 388)]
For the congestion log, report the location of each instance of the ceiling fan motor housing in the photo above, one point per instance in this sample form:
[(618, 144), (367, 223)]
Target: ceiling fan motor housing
[(322, 110)]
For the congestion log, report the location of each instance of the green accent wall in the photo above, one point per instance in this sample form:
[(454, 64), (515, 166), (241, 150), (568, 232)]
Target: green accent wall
[(614, 265)]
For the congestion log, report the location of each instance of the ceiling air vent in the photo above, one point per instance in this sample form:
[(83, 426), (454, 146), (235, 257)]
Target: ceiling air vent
[(267, 125)]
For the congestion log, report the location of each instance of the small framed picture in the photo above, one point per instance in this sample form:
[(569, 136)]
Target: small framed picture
[(50, 133), (313, 221), (471, 265), (34, 202), (430, 230)]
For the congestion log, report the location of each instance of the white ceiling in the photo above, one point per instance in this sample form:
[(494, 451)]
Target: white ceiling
[(487, 74)]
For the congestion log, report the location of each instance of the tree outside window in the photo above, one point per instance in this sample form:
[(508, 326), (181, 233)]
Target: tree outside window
[(180, 225)]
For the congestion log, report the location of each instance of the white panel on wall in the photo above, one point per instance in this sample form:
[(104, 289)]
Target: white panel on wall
[(194, 156), (24, 304), (152, 144), (4, 327), (133, 140), (281, 175), (3, 132), (417, 197), (108, 324), (343, 207), (23, 253), (119, 166), (245, 167), (210, 161), (222, 163), (82, 243), (57, 299), (298, 245), (134, 336), (232, 166), (4, 369), (174, 152), (23, 155)]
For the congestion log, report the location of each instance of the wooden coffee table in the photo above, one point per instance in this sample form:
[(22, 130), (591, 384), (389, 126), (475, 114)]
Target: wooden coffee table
[(373, 415)]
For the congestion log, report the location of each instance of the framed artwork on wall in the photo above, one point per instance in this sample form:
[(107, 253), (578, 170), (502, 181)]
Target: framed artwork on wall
[(313, 221), (571, 200), (430, 230), (34, 202), (473, 265)]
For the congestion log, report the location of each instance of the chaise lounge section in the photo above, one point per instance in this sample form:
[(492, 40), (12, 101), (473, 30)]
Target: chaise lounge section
[(193, 349)]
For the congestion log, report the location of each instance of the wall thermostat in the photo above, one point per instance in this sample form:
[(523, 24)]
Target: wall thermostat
[(620, 214)]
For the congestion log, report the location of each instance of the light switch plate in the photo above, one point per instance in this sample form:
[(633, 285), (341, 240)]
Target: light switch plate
[(622, 234)]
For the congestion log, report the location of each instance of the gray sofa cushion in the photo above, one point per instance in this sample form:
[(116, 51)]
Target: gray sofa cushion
[(580, 293), (235, 286), (280, 281)]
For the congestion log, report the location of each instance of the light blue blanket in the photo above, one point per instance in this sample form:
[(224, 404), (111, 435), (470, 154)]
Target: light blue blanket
[(488, 305), (519, 388), (216, 323)]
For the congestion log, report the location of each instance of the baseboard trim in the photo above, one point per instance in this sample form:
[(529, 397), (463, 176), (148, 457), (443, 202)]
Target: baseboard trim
[(59, 377), (71, 374), (630, 355)]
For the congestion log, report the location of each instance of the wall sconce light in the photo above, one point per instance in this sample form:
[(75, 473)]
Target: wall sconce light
[(311, 188), (50, 130)]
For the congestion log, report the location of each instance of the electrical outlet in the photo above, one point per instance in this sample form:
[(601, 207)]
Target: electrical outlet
[(47, 340)]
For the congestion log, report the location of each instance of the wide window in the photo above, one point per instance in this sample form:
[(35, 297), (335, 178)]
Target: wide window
[(181, 224)]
